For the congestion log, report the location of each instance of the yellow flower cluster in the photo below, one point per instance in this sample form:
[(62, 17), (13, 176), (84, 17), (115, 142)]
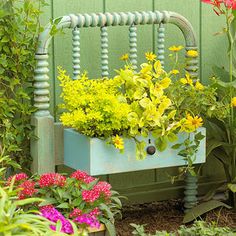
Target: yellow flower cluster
[(94, 107)]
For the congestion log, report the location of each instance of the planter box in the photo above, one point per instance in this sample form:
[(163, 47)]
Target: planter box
[(98, 232), (96, 157)]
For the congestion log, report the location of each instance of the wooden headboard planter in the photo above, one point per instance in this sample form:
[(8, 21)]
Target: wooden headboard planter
[(92, 155)]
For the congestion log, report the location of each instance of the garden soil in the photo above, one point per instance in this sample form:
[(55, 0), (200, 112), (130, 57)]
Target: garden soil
[(166, 215)]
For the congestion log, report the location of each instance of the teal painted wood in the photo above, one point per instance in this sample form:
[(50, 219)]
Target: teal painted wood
[(190, 199), (133, 46), (160, 44), (76, 52), (104, 52), (96, 157)]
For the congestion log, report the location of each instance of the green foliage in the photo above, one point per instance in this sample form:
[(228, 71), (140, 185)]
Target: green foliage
[(201, 209), (19, 28), (15, 221), (199, 228), (66, 194), (222, 130)]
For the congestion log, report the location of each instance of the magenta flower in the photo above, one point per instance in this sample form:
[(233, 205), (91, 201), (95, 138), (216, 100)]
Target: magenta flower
[(89, 220), (54, 215)]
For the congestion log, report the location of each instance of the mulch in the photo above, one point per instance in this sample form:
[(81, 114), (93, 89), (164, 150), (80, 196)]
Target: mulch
[(166, 215)]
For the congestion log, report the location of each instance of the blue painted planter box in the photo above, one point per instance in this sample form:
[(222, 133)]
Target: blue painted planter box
[(96, 157)]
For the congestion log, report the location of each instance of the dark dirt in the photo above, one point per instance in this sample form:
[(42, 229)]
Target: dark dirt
[(166, 215)]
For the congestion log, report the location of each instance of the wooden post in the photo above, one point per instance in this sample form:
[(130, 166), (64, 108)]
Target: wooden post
[(42, 146)]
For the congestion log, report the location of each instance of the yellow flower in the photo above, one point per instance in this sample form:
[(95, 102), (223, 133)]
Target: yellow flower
[(124, 57), (192, 123), (150, 56), (174, 72), (192, 53), (233, 102), (187, 80), (118, 142), (175, 48), (199, 86)]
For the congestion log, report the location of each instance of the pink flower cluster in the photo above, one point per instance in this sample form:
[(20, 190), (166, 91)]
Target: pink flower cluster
[(51, 179), (27, 189), (82, 176), (18, 178), (75, 213), (89, 220), (218, 5), (102, 188), (53, 215)]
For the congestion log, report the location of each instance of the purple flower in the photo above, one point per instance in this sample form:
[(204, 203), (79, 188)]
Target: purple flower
[(88, 220), (54, 215)]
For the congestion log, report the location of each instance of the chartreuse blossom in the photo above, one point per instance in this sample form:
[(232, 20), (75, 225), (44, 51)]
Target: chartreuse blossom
[(187, 80), (150, 56), (124, 57), (175, 48), (174, 72), (192, 53), (199, 86), (192, 123), (118, 142), (233, 102)]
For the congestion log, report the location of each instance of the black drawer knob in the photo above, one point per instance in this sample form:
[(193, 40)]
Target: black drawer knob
[(151, 150)]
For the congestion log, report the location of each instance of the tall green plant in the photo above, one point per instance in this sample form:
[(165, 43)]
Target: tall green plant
[(222, 132), (19, 28)]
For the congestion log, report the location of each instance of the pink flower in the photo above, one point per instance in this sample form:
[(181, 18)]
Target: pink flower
[(52, 179), (102, 188), (54, 215), (82, 176), (88, 220), (90, 195), (75, 213), (27, 189), (230, 4), (95, 212), (18, 178)]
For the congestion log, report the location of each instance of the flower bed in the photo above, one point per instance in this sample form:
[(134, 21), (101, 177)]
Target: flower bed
[(84, 200)]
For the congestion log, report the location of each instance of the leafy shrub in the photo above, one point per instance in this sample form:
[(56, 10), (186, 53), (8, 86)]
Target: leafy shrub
[(19, 28), (15, 221)]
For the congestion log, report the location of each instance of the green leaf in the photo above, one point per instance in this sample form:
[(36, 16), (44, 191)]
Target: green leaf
[(161, 143), (172, 137), (176, 146), (211, 145), (63, 205), (28, 201), (199, 136), (110, 228), (201, 209), (232, 187)]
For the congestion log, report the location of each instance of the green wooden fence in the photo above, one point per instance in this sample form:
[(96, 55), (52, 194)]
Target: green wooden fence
[(148, 185)]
